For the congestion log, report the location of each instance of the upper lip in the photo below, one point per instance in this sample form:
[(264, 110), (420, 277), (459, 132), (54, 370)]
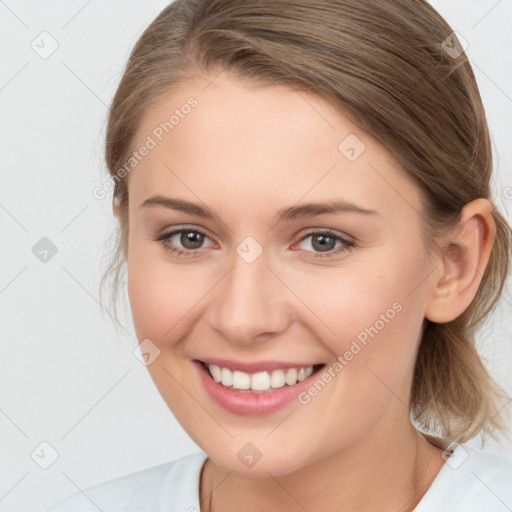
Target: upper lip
[(254, 366)]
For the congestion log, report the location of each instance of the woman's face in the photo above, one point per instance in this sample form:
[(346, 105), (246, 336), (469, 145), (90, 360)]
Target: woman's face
[(313, 285)]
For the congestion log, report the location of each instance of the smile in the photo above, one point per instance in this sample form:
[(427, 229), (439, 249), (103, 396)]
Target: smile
[(254, 393)]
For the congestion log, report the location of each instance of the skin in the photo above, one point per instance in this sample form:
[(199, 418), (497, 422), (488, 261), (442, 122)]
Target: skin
[(245, 152)]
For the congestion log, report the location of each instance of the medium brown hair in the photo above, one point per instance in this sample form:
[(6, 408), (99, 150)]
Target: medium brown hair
[(384, 65)]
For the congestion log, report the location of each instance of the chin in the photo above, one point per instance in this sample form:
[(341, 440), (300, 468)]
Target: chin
[(274, 464)]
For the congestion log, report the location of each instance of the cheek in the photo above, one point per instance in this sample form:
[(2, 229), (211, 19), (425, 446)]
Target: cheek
[(371, 315), (369, 319), (162, 295), (162, 299)]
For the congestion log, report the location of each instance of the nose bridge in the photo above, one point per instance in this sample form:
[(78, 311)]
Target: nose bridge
[(249, 301)]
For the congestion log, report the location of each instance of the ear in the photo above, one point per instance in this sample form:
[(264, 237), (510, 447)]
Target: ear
[(463, 262)]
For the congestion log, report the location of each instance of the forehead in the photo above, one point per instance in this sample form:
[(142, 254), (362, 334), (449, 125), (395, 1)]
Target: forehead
[(239, 143)]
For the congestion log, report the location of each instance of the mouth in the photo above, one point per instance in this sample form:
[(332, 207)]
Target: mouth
[(261, 382)]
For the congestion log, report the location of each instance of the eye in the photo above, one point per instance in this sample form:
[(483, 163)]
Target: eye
[(326, 243), (191, 241)]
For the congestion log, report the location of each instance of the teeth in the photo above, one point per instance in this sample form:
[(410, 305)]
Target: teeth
[(261, 381), (277, 379), (241, 380), (215, 372), (291, 377), (226, 377)]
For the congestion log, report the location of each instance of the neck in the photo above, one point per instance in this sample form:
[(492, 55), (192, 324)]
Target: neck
[(379, 472)]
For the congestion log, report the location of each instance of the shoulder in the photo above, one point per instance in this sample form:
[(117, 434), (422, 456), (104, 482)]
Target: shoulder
[(170, 486), (471, 480)]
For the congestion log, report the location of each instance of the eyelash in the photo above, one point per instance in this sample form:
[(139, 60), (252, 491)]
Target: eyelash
[(163, 239)]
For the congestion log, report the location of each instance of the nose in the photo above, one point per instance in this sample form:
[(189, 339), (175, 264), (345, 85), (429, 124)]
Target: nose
[(250, 303)]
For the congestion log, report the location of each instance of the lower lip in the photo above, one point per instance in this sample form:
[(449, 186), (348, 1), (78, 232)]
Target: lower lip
[(251, 404)]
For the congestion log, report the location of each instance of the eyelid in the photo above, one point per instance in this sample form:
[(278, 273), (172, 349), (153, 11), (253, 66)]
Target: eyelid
[(165, 232), (327, 231)]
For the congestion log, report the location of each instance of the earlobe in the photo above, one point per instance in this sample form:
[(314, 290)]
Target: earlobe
[(463, 261), (115, 206)]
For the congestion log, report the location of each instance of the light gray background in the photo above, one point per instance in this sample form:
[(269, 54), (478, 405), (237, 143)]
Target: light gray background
[(67, 377)]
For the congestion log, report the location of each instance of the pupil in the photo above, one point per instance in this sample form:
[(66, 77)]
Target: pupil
[(191, 239), (322, 245)]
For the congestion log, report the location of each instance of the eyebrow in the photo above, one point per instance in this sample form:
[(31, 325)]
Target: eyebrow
[(306, 210)]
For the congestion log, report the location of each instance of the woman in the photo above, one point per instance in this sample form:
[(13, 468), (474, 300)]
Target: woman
[(303, 191)]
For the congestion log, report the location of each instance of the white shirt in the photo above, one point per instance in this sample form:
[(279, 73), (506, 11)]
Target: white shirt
[(471, 480)]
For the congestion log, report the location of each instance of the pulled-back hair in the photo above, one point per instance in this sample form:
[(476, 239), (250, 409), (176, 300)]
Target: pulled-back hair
[(395, 69)]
